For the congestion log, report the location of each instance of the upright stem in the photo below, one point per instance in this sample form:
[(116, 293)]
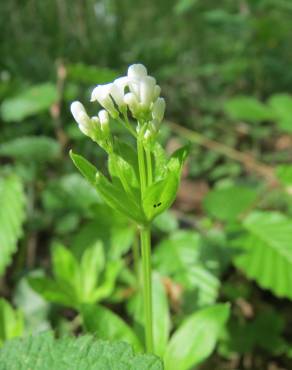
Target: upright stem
[(145, 238), (147, 286)]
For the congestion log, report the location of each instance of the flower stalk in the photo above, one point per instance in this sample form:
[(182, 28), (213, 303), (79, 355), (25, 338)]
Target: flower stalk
[(134, 97)]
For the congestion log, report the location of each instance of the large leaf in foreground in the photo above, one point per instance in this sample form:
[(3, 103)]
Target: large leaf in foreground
[(43, 352), (265, 253), (12, 214)]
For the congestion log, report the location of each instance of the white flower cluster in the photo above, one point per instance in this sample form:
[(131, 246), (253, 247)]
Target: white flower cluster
[(137, 92)]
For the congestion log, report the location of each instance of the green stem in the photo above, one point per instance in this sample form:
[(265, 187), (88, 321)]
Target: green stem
[(149, 166), (136, 257), (142, 169), (145, 238), (147, 287)]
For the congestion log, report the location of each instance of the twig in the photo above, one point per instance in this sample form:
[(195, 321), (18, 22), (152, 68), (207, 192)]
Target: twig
[(250, 163), (56, 107)]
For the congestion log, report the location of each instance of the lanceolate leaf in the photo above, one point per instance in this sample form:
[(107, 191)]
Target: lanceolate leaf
[(11, 322), (195, 340), (107, 325), (12, 215), (160, 196), (265, 252), (113, 194), (43, 352), (87, 169)]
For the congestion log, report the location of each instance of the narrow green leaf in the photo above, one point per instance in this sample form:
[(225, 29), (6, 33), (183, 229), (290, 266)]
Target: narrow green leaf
[(66, 269), (87, 169), (177, 159), (11, 322), (107, 325), (51, 291), (119, 200), (160, 196), (92, 264)]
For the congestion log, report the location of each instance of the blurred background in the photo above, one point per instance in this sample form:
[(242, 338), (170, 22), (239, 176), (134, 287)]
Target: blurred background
[(225, 72)]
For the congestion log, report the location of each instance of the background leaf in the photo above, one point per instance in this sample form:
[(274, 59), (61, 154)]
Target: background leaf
[(248, 109), (31, 101), (12, 216), (265, 252), (107, 325), (31, 148), (228, 203), (196, 338)]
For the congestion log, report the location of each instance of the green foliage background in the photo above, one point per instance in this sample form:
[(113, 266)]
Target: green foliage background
[(225, 72)]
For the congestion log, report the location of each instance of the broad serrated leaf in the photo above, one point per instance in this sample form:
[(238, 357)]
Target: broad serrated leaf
[(31, 101), (43, 352), (32, 149), (12, 216), (196, 338), (247, 108), (228, 203), (265, 252), (107, 325)]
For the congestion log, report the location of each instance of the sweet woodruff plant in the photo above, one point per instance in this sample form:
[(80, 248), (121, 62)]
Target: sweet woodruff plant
[(143, 180)]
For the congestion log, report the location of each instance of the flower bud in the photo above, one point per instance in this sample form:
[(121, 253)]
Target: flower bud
[(103, 117), (104, 121), (117, 91), (101, 93), (131, 100), (136, 71), (147, 85), (81, 117), (158, 109), (157, 91)]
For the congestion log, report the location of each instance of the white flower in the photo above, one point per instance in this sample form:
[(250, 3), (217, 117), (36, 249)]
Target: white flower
[(147, 85), (101, 93), (104, 122), (81, 117), (158, 109), (117, 91), (103, 116), (157, 91), (131, 100), (136, 71)]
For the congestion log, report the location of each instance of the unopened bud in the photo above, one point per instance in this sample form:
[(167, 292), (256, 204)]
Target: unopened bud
[(101, 93), (136, 71), (81, 117), (158, 109), (147, 85)]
